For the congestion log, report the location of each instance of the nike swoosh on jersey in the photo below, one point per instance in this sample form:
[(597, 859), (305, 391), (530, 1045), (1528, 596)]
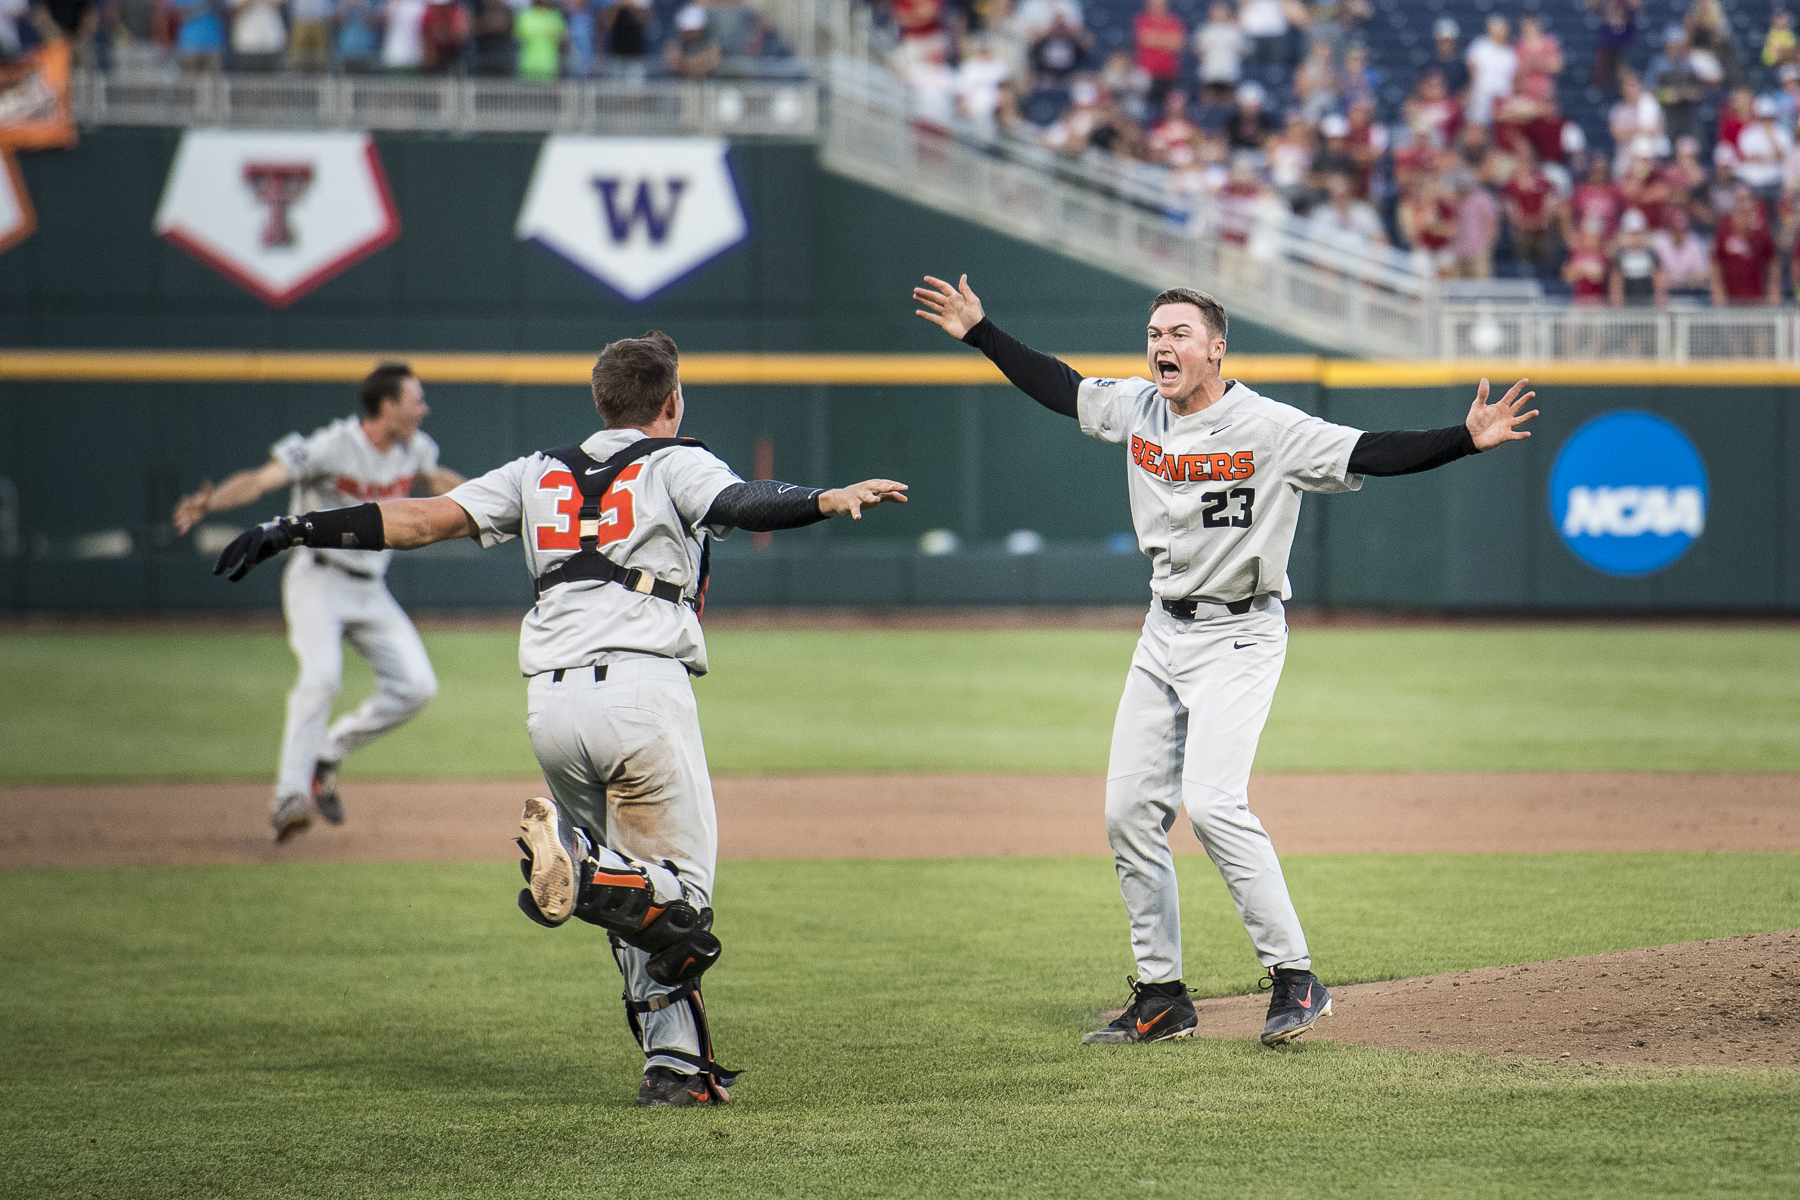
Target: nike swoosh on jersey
[(1242, 645), (593, 470), (1220, 429)]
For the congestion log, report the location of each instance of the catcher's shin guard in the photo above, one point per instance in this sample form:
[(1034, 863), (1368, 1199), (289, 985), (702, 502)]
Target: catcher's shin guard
[(716, 1078), (678, 936)]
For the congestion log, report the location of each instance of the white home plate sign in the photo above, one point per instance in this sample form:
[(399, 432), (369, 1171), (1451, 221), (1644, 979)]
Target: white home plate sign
[(278, 213), (635, 213)]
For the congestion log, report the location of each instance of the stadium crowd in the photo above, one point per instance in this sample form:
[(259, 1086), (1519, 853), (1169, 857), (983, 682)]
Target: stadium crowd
[(627, 40), (1685, 182)]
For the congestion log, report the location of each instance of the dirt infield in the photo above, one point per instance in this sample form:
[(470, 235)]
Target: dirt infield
[(908, 816), (1727, 1002)]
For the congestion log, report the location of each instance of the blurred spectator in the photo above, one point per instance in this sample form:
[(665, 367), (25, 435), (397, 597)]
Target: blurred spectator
[(1762, 148), (1636, 123), (1744, 266), (1033, 18), (1532, 207), (1173, 130), (402, 46), (1158, 35), (1345, 221), (735, 27), (1612, 39), (1685, 177), (495, 53), (979, 79), (1427, 220), (1447, 58), (200, 42), (1060, 52), (1221, 46), (1710, 33), (1337, 24), (1787, 94), (933, 86), (309, 35), (1530, 118), (1778, 46), (359, 37), (1477, 228), (1671, 78), (1366, 139), (258, 36), (1357, 81), (1291, 163), (1437, 117), (1738, 111), (1635, 275), (1265, 23), (1540, 53), (1586, 269), (1070, 133), (1128, 84), (1492, 64), (1249, 126), (1721, 193), (1316, 82), (921, 24), (1686, 259), (692, 54), (626, 28), (1596, 201), (1645, 189), (1334, 157), (443, 31), (580, 16)]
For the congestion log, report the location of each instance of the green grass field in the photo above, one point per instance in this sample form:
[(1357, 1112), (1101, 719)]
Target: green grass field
[(209, 706), (905, 1028)]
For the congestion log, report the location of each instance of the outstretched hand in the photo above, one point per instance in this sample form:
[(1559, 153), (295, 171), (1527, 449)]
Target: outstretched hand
[(256, 545), (190, 510), (850, 501), (1491, 424), (955, 310)]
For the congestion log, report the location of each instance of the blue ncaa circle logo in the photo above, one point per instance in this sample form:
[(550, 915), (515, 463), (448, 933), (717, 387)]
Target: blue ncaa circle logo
[(1628, 493)]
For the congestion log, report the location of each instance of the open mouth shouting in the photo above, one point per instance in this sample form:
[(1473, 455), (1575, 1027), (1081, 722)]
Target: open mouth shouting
[(1166, 369)]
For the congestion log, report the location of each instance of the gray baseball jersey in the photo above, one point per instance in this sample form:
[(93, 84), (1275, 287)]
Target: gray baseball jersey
[(1215, 494), (650, 519), (338, 466)]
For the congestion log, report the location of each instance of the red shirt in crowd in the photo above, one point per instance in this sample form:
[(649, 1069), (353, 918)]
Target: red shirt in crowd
[(1159, 41), (1531, 191), (1588, 269), (1432, 224), (1603, 202), (919, 18), (1744, 260)]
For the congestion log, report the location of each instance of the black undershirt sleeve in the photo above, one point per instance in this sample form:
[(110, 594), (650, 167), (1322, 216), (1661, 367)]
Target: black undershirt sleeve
[(762, 505), (1046, 379), (1406, 451)]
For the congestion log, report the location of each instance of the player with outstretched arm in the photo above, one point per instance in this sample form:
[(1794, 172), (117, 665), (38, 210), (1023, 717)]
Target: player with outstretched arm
[(330, 596), (628, 840), (1215, 475)]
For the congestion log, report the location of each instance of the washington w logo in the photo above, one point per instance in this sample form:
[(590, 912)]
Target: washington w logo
[(643, 208)]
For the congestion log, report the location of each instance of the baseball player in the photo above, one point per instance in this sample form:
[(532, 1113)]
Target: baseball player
[(330, 595), (1215, 475), (616, 533)]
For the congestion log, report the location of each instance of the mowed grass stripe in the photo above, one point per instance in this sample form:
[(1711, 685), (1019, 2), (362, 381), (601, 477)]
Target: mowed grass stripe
[(906, 1029), (1528, 698)]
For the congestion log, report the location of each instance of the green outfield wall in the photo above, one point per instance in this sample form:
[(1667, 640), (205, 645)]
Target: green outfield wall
[(93, 456)]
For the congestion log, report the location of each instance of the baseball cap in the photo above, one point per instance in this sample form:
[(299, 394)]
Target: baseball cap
[(691, 19), (1445, 27), (1633, 221), (1334, 126)]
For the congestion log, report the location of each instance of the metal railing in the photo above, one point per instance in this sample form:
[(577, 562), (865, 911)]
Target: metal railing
[(1366, 303), (1672, 335), (786, 107)]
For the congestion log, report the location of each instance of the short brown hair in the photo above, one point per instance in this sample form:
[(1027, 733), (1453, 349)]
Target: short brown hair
[(632, 378), (383, 383), (1211, 311)]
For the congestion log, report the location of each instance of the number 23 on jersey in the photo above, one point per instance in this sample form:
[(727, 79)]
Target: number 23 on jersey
[(617, 517)]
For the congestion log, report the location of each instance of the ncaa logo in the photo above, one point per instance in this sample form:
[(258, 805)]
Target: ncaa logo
[(1628, 493)]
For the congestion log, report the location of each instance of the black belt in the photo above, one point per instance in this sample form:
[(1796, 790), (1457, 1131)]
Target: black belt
[(365, 576), (1185, 609), (556, 676), (591, 565)]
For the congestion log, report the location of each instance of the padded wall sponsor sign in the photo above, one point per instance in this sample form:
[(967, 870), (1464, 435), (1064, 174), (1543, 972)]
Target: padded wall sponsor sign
[(1628, 493), (277, 212), (634, 213)]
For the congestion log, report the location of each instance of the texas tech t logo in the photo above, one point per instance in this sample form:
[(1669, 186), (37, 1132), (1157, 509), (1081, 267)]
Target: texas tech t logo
[(636, 214), (277, 213)]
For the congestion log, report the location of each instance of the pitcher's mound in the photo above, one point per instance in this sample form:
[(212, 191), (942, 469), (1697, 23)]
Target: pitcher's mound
[(1723, 1002)]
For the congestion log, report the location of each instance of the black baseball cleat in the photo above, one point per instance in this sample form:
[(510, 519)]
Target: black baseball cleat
[(663, 1088), (1296, 1002), (556, 851), (1157, 1012), (325, 793)]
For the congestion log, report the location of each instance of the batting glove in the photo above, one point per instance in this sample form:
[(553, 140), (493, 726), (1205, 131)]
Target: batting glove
[(256, 545)]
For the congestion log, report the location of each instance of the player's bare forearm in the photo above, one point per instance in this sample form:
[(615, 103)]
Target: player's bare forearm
[(245, 487), (409, 524)]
